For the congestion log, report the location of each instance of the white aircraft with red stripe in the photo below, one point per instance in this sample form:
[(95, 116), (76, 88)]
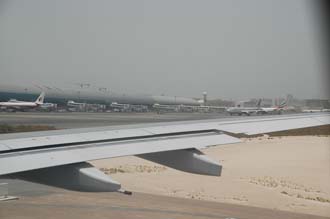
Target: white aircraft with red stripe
[(16, 104)]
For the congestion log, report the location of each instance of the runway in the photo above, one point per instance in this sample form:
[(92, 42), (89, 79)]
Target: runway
[(81, 120)]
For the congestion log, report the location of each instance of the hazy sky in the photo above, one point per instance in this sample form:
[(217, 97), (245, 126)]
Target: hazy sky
[(231, 49)]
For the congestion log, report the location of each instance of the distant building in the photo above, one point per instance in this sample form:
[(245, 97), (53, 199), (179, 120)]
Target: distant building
[(87, 94), (219, 102), (317, 103), (266, 102)]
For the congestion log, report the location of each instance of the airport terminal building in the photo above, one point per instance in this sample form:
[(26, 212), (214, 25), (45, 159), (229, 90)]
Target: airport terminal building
[(88, 94)]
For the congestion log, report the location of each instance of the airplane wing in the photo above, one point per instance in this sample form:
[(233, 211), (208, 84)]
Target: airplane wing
[(59, 157)]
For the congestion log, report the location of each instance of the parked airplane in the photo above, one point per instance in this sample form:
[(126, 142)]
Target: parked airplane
[(189, 108), (186, 108), (48, 106), (238, 110), (21, 105), (59, 158), (165, 108), (72, 103), (75, 106), (214, 108), (139, 108), (258, 109), (120, 106), (284, 106)]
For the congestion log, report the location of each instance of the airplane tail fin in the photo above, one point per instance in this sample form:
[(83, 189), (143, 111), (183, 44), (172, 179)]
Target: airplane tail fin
[(286, 102), (258, 104), (40, 99)]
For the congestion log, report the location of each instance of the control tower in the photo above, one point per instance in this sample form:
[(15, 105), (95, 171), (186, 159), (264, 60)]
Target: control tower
[(204, 98)]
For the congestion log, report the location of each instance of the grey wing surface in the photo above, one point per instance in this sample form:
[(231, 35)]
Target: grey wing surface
[(59, 157)]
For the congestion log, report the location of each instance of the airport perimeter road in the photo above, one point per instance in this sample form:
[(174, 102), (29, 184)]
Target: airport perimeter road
[(39, 202), (80, 120)]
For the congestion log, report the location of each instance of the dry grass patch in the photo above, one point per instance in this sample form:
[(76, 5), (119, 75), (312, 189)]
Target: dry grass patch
[(4, 128)]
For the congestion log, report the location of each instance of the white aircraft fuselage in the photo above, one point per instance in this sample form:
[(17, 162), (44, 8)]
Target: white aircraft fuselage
[(15, 104)]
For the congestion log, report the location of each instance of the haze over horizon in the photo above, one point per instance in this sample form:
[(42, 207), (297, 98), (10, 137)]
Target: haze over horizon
[(231, 49)]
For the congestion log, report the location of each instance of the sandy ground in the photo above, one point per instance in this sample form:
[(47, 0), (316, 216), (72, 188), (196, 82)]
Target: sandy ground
[(284, 173)]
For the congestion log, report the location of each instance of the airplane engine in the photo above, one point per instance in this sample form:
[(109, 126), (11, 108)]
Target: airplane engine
[(190, 160), (79, 177)]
